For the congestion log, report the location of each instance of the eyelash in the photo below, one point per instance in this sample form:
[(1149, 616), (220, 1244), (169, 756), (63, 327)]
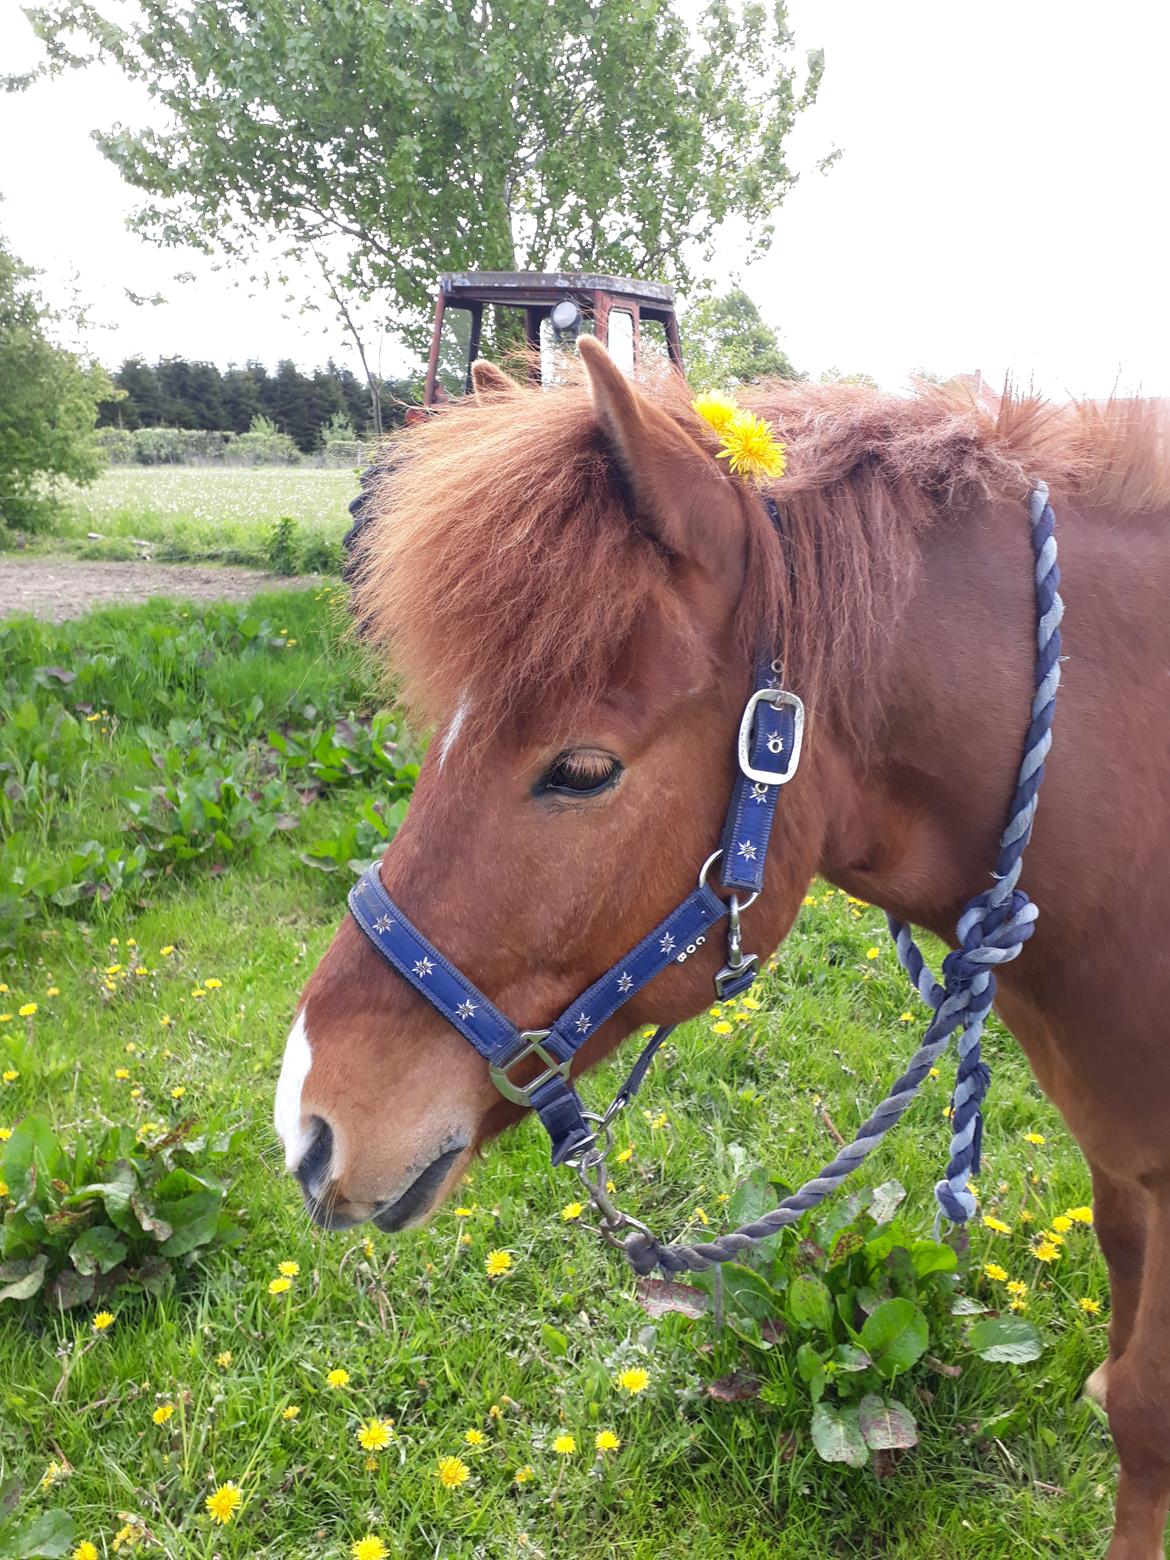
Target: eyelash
[(580, 774)]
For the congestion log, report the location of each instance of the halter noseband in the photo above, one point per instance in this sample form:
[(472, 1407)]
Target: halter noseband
[(768, 750)]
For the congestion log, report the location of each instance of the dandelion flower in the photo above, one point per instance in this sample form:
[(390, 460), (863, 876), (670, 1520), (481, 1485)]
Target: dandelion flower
[(997, 1225), (369, 1548), (85, 1551), (871, 953), (224, 1359), (451, 1472), (5, 1134), (374, 1435), (721, 1028), (1062, 1224), (993, 1270), (625, 1156), (905, 1018), (213, 984), (606, 1441), (522, 1475), (367, 1246), (3, 1188), (716, 409), (166, 1021), (289, 1269), (464, 1213), (1017, 1288), (27, 1009), (572, 1210), (178, 1091), (1046, 1251), (634, 1380), (1081, 1215), (103, 1320), (750, 448), (497, 1262), (223, 1503), (10, 1075), (53, 991), (338, 1378), (121, 1073), (564, 1445), (291, 1412), (1035, 1137), (162, 1413), (167, 951), (280, 1286), (701, 1216), (1088, 1306), (473, 1437)]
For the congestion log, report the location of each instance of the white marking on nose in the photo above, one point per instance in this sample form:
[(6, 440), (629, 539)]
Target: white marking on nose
[(451, 735), (287, 1113)]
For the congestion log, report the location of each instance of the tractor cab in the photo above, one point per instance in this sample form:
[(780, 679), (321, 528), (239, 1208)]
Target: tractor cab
[(544, 311)]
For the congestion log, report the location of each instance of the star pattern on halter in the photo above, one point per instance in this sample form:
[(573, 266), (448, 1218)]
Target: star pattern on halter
[(747, 850), (383, 923), (759, 792), (666, 943), (424, 967), (582, 1023), (625, 982), (467, 1007)]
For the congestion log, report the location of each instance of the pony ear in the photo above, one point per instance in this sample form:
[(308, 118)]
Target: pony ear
[(682, 498), (490, 382)]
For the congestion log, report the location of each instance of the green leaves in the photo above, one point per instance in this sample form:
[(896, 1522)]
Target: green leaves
[(1010, 1339), (44, 1537), (810, 1304), (895, 1336), (886, 1424), (837, 1435)]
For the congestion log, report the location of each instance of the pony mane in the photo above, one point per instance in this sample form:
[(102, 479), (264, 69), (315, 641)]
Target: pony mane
[(504, 570)]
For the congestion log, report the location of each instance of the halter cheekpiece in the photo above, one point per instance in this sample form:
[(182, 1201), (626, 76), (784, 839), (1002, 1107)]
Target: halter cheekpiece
[(992, 929)]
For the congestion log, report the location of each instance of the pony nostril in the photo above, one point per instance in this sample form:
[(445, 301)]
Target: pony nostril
[(311, 1171)]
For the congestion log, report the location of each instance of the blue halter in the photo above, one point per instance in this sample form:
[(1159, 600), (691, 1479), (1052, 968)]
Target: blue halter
[(768, 752)]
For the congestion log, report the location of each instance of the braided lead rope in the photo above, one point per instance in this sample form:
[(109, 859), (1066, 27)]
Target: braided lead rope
[(992, 930)]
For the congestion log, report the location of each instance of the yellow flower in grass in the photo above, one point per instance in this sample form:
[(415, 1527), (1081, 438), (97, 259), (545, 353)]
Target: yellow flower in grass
[(53, 991), (369, 1548), (53, 1474), (1016, 1288), (5, 1134), (451, 1472), (701, 1215), (993, 1270), (10, 1075), (572, 1210), (223, 1503), (1035, 1137), (1062, 1224), (103, 1320), (1018, 1303), (85, 1551), (625, 1156), (291, 1412), (178, 1091), (872, 953), (1025, 1216), (162, 1413), (634, 1380), (127, 1535), (27, 1009), (606, 1441), (1088, 1306), (1045, 1251), (721, 1028), (464, 1212), (1081, 1215), (997, 1225), (288, 1269), (374, 1435), (564, 1445), (213, 984), (522, 1475), (497, 1262), (280, 1286), (224, 1359), (3, 1188), (338, 1378), (167, 951), (121, 1073), (166, 1021), (367, 1246)]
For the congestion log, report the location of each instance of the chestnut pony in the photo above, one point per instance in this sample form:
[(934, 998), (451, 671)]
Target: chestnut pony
[(571, 589)]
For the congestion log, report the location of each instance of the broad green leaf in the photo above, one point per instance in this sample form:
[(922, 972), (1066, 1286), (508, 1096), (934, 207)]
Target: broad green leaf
[(885, 1201), (895, 1335), (1010, 1339), (97, 1250), (555, 1341), (45, 1537), (885, 1423), (810, 1304), (837, 1435), (21, 1278), (812, 1370)]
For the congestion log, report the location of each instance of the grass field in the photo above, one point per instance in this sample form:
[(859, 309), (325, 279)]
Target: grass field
[(217, 513), (126, 1430)]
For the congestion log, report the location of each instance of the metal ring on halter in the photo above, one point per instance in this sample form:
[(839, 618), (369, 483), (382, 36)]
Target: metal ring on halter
[(706, 867)]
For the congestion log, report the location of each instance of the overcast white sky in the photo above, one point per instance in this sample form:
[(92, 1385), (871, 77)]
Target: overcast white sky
[(1000, 203)]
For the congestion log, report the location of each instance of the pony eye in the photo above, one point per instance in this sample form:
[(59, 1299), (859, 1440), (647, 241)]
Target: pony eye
[(582, 773)]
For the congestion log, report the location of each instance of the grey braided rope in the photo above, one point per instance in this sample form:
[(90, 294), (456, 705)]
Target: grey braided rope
[(992, 930)]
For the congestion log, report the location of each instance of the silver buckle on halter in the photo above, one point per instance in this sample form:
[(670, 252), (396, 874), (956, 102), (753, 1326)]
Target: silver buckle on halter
[(775, 697), (529, 1044)]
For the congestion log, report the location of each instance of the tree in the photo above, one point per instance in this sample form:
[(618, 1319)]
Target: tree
[(48, 402), (388, 140), (726, 342)]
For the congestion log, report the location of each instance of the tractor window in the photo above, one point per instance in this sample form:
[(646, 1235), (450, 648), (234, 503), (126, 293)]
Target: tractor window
[(454, 344), (654, 355), (621, 339)]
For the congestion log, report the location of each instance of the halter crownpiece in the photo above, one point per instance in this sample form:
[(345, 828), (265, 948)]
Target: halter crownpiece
[(992, 930)]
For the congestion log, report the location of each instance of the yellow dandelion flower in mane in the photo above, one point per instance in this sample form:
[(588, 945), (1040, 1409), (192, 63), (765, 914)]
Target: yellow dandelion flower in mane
[(716, 409), (751, 449)]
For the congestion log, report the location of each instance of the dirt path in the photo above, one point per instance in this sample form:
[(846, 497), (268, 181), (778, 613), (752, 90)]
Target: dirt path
[(56, 589)]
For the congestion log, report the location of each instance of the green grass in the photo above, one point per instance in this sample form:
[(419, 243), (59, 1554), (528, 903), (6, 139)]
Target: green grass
[(1010, 1461), (219, 514)]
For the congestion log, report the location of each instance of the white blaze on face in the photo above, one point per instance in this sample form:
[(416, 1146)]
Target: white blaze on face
[(293, 1072), (451, 735)]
